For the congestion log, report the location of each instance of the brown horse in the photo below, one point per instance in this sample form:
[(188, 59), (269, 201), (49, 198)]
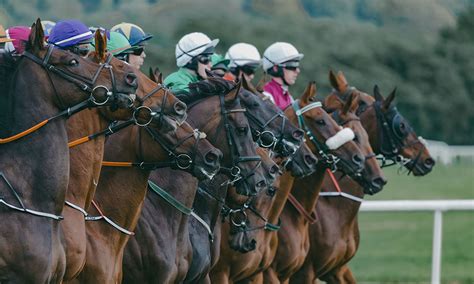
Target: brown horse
[(293, 239), (32, 197), (335, 237), (86, 159)]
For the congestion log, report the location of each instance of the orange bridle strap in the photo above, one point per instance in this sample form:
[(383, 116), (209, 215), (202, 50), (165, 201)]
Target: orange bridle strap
[(334, 180), (116, 164), (24, 133)]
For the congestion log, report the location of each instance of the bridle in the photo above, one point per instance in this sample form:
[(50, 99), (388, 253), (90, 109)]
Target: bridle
[(391, 135), (87, 85), (235, 172), (329, 160)]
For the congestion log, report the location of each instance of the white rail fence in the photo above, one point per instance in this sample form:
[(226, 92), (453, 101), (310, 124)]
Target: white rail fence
[(445, 153), (438, 206)]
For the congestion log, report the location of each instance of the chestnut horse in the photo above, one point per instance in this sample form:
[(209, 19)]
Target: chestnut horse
[(338, 151), (335, 237), (86, 160), (35, 169)]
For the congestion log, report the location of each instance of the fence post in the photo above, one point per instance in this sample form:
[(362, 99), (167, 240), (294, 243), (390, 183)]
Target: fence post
[(437, 235)]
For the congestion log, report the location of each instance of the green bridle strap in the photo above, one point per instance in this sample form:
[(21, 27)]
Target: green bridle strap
[(170, 199)]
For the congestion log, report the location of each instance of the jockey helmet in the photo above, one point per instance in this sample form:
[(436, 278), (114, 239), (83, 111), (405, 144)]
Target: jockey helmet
[(133, 33), (19, 36), (69, 33), (241, 54), (192, 45), (278, 54)]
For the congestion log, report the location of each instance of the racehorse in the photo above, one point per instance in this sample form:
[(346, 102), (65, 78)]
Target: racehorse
[(334, 239), (338, 151), (86, 159), (35, 163), (186, 150)]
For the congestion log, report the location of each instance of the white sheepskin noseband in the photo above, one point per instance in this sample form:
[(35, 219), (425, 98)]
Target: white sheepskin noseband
[(343, 136)]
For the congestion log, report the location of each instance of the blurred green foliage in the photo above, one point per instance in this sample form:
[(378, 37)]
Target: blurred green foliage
[(423, 47)]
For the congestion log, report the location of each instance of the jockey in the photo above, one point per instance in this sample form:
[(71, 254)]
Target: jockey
[(281, 61), (244, 60), (193, 57), (220, 65), (19, 37), (71, 35), (137, 38)]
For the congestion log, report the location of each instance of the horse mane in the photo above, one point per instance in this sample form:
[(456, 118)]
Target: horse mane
[(206, 88), (7, 100)]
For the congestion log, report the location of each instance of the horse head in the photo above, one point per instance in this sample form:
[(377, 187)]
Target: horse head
[(372, 178)]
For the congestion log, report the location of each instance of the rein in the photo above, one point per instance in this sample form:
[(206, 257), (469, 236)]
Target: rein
[(310, 217), (179, 206)]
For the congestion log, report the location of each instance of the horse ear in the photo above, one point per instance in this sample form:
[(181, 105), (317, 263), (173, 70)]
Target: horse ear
[(377, 95), (261, 82), (309, 93), (151, 74), (333, 80), (332, 103), (232, 95), (245, 83), (100, 46), (389, 99), (155, 75), (36, 38), (352, 103), (159, 78), (341, 81)]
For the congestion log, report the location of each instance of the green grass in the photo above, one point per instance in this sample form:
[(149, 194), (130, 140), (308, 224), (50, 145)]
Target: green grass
[(397, 247)]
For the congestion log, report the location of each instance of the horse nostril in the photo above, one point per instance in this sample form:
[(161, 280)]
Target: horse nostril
[(298, 135), (212, 158), (261, 184), (357, 159), (378, 183), (180, 108), (310, 160), (274, 170), (429, 163), (131, 80)]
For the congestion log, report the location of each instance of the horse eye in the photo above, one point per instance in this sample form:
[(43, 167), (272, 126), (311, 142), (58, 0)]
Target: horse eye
[(321, 122), (73, 62), (356, 138), (402, 125), (242, 130)]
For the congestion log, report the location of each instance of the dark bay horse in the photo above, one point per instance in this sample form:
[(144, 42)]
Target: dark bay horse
[(35, 163), (86, 159), (337, 151), (335, 237)]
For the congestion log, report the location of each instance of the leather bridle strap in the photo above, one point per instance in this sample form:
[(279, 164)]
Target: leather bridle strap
[(310, 217)]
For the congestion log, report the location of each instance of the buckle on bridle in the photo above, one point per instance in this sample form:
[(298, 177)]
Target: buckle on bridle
[(235, 220), (183, 161), (94, 99), (137, 110)]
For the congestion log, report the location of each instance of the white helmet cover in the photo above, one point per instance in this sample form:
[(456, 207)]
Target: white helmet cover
[(278, 53), (241, 54), (191, 45)]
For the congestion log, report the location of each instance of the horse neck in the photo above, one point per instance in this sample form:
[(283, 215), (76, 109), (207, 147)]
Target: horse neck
[(281, 196), (85, 159), (369, 121), (306, 190), (29, 161), (207, 207), (121, 190)]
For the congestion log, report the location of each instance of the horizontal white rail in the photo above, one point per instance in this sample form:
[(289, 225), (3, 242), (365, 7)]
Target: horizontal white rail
[(418, 205), (438, 206)]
